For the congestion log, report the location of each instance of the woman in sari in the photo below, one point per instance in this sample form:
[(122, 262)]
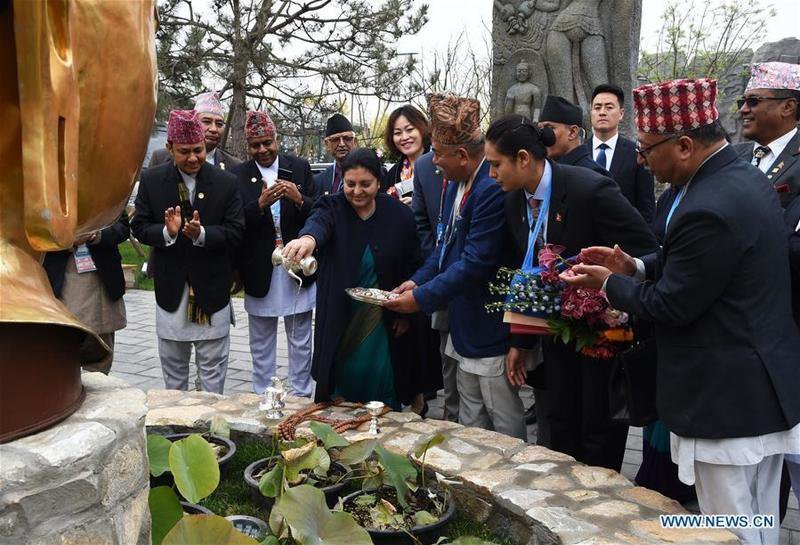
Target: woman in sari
[(362, 238)]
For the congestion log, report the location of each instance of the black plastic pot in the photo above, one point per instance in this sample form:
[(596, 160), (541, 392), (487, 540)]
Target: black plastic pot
[(166, 479), (427, 535), (194, 509), (331, 492), (250, 526)]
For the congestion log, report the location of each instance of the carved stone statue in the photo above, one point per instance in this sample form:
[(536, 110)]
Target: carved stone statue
[(577, 41), (570, 46), (523, 97)]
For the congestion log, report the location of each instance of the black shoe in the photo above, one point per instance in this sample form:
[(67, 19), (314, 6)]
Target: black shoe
[(530, 415)]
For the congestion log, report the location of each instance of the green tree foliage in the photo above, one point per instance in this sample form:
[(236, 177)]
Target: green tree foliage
[(296, 58)]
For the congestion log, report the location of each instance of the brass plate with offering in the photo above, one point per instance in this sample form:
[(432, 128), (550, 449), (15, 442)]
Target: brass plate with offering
[(373, 296)]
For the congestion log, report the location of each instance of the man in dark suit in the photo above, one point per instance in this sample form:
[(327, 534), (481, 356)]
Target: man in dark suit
[(88, 279), (212, 117), (792, 216), (582, 207), (617, 154), (727, 345), (566, 121), (456, 276), (429, 183), (277, 193), (770, 110), (340, 139), (190, 212)]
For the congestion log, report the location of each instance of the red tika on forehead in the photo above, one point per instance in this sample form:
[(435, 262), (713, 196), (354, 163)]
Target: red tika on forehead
[(184, 127), (675, 106), (258, 125)]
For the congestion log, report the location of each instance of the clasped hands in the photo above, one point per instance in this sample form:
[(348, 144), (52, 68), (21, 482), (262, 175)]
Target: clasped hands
[(282, 188), (597, 264), (173, 221)]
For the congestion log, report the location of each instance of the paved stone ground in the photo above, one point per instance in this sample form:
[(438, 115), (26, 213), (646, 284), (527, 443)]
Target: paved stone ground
[(136, 361)]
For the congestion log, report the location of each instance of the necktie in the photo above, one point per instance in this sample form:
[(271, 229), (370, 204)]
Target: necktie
[(601, 155), (759, 154), (337, 178), (534, 205)]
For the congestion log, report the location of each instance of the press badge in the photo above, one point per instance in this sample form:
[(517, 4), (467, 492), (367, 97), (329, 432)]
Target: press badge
[(83, 259)]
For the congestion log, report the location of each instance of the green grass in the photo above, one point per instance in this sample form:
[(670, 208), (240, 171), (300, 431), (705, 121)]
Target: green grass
[(461, 526), (130, 257), (232, 496)]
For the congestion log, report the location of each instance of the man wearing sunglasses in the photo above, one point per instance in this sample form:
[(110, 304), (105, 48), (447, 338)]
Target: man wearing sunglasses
[(340, 139), (770, 110)]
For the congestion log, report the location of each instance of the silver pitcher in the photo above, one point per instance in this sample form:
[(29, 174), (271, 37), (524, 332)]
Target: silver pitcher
[(307, 265)]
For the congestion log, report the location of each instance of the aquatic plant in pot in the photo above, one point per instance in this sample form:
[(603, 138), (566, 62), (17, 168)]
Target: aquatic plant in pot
[(302, 461), (218, 436), (193, 464), (397, 505)]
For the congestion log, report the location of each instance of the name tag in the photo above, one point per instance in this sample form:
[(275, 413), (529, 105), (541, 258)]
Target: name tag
[(83, 260)]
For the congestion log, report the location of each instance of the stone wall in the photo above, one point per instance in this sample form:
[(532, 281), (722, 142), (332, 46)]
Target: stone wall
[(529, 493), (83, 481)]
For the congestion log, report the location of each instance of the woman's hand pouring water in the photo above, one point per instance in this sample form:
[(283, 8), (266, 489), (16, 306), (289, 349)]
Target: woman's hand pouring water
[(299, 248)]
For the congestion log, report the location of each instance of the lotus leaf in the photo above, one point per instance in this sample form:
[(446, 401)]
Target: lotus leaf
[(194, 466)]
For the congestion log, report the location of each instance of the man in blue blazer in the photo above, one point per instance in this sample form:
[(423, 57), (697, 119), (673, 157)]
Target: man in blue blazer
[(474, 243), (718, 292), (429, 183)]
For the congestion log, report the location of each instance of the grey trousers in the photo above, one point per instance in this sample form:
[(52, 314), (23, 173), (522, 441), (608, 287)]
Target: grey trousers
[(491, 403), (263, 343), (449, 380), (92, 360), (211, 357), (742, 490)]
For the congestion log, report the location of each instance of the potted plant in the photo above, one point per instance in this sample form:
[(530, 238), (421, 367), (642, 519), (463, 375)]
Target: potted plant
[(396, 505), (218, 437), (193, 464), (302, 461)]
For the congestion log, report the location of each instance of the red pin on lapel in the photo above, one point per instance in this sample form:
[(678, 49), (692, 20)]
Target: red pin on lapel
[(558, 216)]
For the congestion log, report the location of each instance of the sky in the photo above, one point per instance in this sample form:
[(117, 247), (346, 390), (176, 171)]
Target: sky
[(447, 18)]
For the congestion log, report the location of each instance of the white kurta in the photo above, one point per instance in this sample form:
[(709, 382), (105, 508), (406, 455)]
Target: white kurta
[(738, 451), (283, 298), (175, 326)]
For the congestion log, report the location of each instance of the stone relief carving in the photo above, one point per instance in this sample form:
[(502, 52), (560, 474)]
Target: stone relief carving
[(523, 97), (570, 46)]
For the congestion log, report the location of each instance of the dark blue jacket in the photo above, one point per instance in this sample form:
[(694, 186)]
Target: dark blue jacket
[(426, 201), (479, 245), (719, 296)]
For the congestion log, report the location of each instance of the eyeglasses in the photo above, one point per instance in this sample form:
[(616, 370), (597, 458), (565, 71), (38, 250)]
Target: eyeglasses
[(753, 101), (645, 151), (343, 139)]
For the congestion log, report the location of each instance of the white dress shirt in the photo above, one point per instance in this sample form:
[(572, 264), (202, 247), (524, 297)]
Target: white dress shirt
[(612, 145), (776, 147)]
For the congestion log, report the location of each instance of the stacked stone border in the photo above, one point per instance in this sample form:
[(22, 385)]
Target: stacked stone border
[(531, 494)]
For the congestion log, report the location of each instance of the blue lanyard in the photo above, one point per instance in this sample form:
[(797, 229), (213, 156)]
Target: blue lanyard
[(527, 265), (675, 204)]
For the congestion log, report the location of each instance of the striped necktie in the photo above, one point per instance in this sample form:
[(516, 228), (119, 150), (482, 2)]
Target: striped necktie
[(535, 206)]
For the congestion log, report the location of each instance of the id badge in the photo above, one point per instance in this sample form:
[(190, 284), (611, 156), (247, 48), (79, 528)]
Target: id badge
[(83, 260), (439, 233)]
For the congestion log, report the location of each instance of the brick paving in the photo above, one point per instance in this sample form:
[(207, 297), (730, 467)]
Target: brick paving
[(136, 361)]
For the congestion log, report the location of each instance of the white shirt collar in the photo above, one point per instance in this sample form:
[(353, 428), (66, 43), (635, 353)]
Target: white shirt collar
[(611, 142), (188, 179), (210, 157), (269, 173), (777, 146)]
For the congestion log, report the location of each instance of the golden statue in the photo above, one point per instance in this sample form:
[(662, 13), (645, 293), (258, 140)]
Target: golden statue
[(77, 97)]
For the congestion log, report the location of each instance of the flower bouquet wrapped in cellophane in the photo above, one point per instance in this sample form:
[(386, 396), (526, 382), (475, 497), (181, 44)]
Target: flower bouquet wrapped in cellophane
[(538, 302)]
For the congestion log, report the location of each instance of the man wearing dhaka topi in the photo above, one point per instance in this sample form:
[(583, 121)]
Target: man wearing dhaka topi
[(190, 212)]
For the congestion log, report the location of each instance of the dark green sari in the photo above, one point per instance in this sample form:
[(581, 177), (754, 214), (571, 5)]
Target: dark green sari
[(363, 364)]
